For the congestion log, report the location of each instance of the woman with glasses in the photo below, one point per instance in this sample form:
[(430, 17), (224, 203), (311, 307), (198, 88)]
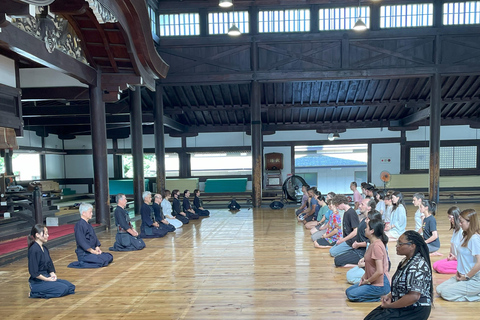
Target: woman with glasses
[(449, 265), (412, 287), (465, 285)]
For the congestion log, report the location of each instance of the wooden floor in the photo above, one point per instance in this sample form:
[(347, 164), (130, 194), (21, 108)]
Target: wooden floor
[(255, 264)]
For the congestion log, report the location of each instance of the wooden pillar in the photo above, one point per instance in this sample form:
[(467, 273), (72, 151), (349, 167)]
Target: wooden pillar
[(184, 161), (159, 138), (43, 162), (137, 146), (117, 161), (435, 124), (257, 152), (99, 148), (8, 162)]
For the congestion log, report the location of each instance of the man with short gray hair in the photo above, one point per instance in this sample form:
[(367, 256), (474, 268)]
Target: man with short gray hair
[(88, 249)]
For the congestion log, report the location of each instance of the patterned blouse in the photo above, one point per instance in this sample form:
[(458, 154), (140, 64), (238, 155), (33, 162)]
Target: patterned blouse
[(334, 222), (415, 276)]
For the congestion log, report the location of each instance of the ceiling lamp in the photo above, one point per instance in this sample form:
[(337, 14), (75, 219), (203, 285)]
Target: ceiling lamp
[(225, 3), (360, 25), (234, 31)]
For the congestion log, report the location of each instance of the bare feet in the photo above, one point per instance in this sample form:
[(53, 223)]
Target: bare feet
[(436, 254)]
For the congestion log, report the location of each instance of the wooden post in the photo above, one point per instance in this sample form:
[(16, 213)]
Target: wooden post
[(435, 123), (257, 154), (137, 146), (159, 138), (99, 148)]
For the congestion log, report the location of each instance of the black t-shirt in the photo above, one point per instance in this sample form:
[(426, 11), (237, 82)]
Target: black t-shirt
[(350, 222), (361, 233), (430, 225)]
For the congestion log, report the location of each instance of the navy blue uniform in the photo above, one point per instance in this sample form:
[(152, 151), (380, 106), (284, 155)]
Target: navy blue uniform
[(40, 263), (176, 211), (186, 207), (124, 241), (197, 203), (148, 230), (158, 212), (87, 239)]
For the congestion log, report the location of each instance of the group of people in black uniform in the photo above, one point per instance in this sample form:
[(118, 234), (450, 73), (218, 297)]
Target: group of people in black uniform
[(44, 282)]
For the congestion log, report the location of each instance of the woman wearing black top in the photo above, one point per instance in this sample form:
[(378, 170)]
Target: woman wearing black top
[(198, 204), (187, 208), (176, 210), (412, 287), (43, 280)]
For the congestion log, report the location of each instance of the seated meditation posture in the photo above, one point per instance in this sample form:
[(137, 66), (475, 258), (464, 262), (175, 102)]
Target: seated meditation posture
[(449, 265), (126, 238), (374, 283), (333, 230), (187, 207), (167, 210), (158, 211), (350, 222), (351, 257), (176, 208), (398, 221), (429, 226), (412, 287), (150, 227), (43, 281), (198, 205), (465, 285), (88, 249)]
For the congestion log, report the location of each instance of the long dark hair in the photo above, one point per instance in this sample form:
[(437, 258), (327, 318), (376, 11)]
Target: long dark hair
[(374, 215), (378, 228), (421, 248), (455, 213), (38, 228), (400, 201)]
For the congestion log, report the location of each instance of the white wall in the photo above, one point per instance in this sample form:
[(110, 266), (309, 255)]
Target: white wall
[(385, 152), (446, 133), (55, 166), (7, 72), (46, 77), (220, 139), (29, 139)]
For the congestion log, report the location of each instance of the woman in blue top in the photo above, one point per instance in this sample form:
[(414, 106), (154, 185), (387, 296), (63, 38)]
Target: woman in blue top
[(398, 221), (43, 280)]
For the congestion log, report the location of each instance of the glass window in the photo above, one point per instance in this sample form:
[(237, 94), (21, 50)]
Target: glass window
[(462, 157), (342, 18), (297, 20), (26, 166), (461, 13), (220, 22), (182, 24), (153, 19), (172, 165), (221, 163), (406, 15)]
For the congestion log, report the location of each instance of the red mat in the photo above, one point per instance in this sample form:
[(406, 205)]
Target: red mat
[(21, 243)]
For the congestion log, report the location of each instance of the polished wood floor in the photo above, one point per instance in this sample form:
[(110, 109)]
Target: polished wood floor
[(255, 264)]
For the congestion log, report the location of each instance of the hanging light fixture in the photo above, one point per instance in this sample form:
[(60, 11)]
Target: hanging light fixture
[(233, 31), (359, 25), (225, 3)]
